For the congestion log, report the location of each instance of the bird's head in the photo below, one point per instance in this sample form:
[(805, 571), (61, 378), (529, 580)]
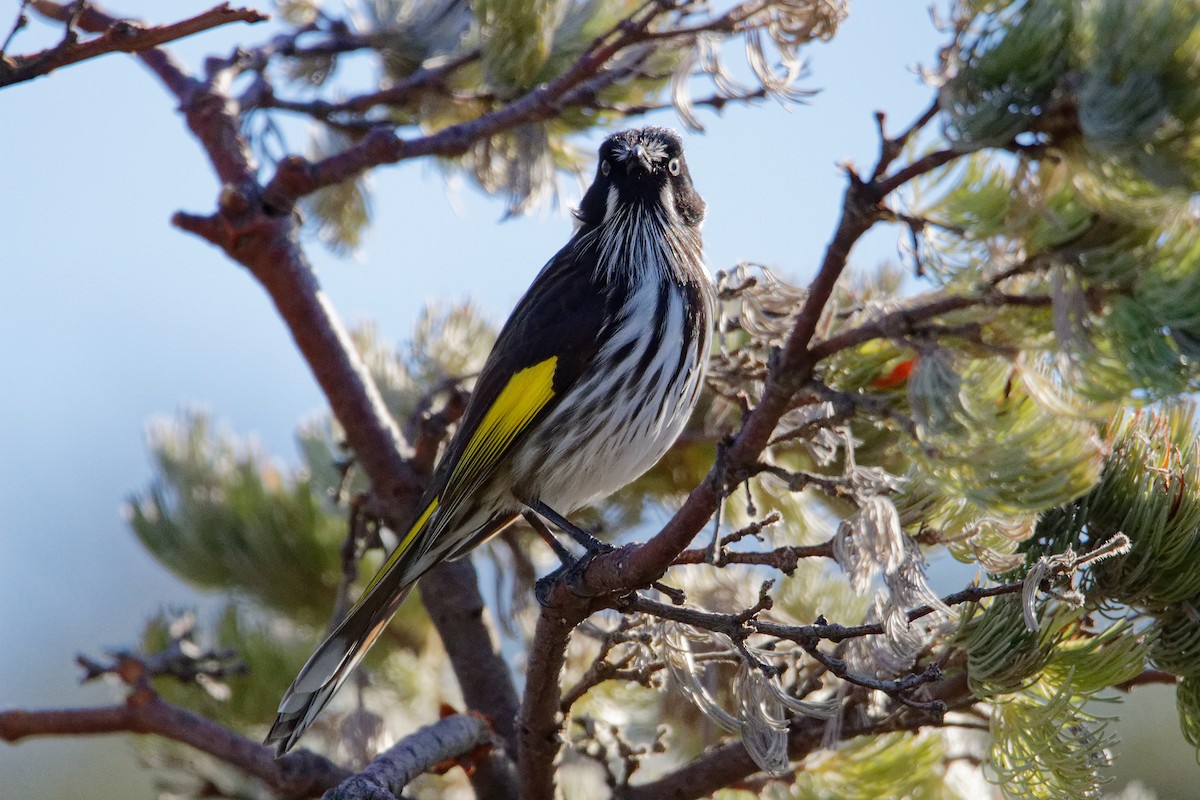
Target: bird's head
[(642, 166)]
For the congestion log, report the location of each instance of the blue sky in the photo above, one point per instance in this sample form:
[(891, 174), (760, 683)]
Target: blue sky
[(110, 317)]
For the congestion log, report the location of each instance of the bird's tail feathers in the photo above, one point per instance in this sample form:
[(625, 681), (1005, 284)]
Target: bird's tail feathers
[(332, 662)]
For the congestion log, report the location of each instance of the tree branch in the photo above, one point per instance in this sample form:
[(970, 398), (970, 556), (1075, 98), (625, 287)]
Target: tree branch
[(387, 775), (1149, 677), (733, 625), (300, 774), (208, 113), (903, 321), (579, 84), (254, 226), (266, 241), (785, 559), (21, 21), (118, 36), (630, 630), (926, 163), (451, 597), (637, 565), (394, 95), (268, 247), (540, 724), (729, 764)]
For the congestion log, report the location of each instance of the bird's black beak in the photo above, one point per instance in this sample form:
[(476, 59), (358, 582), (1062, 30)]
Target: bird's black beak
[(639, 161)]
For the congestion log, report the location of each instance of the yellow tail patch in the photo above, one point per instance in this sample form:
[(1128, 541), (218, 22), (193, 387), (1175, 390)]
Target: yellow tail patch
[(400, 548)]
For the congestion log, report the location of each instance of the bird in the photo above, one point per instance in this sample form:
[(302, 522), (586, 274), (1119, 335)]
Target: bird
[(590, 381)]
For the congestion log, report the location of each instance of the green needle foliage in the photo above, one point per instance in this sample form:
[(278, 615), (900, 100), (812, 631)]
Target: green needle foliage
[(886, 766), (222, 517)]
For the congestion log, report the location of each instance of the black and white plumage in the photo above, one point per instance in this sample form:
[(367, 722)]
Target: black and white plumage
[(589, 383)]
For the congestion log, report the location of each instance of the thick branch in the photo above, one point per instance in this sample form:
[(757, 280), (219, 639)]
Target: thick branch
[(268, 246), (540, 725), (117, 36), (452, 595), (638, 565), (386, 776), (266, 242), (301, 774)]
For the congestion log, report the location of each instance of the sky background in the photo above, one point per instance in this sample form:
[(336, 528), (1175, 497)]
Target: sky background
[(110, 318)]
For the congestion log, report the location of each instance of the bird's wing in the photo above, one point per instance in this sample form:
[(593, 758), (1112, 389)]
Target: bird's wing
[(553, 335)]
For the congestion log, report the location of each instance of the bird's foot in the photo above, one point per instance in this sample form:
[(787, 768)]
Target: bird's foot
[(571, 574)]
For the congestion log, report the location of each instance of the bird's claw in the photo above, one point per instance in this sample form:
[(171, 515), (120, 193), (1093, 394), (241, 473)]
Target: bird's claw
[(570, 574)]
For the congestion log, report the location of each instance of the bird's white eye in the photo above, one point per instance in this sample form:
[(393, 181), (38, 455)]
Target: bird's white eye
[(604, 167), (673, 166)]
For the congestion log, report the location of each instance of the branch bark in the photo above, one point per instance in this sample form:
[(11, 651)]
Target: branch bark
[(540, 726), (454, 593), (118, 36), (300, 774), (268, 247), (387, 775)]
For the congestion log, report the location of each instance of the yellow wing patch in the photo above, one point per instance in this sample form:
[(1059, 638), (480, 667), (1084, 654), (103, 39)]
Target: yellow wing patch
[(526, 393)]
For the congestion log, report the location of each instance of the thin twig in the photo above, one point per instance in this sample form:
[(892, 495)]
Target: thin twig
[(785, 559), (896, 687), (732, 624), (20, 23), (398, 94), (119, 36), (1149, 677), (906, 320), (926, 163), (891, 148)]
